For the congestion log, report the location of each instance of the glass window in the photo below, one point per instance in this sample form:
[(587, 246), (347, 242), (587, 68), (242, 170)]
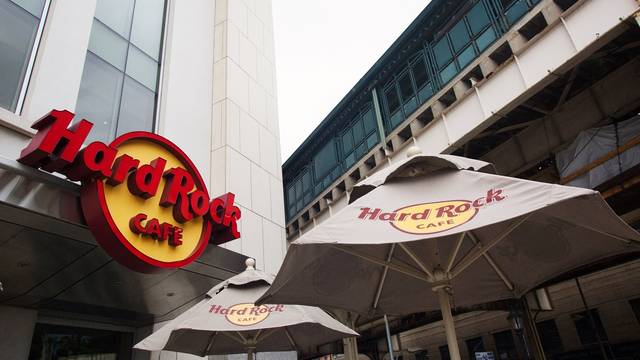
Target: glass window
[(291, 196), (98, 98), (116, 14), (475, 345), (585, 327), (459, 36), (448, 73), (392, 99), (406, 89), (306, 182), (478, 18), (146, 30), (419, 73), (369, 121), (136, 108), (358, 132), (635, 305), (550, 337), (466, 56), (347, 142), (325, 160), (119, 86), (19, 22), (516, 11), (444, 352), (372, 140), (505, 345), (442, 52), (484, 40)]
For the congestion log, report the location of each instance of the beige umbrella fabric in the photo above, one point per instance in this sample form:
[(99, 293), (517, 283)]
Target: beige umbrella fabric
[(435, 229), (228, 322)]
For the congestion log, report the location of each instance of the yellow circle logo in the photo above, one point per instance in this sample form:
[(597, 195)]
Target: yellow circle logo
[(247, 314), (435, 217)]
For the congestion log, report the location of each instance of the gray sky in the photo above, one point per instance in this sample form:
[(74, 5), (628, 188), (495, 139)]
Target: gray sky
[(323, 48)]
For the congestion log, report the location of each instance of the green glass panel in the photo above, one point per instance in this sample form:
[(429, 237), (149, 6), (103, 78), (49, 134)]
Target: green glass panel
[(516, 11), (448, 73), (466, 56), (372, 140), (478, 18), (406, 88), (299, 188), (442, 52), (369, 121), (410, 105), (396, 119), (291, 195), (358, 132), (459, 36), (347, 142), (325, 160), (349, 160), (425, 93), (486, 39), (306, 182)]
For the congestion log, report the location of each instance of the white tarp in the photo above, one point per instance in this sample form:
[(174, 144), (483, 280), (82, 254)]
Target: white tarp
[(592, 144)]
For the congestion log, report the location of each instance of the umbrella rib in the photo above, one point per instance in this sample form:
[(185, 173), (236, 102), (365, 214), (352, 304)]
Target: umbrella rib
[(255, 338), (481, 249), (293, 343), (626, 241), (383, 277), (266, 335), (234, 338), (415, 259), (210, 344), (399, 268), (494, 265), (454, 254)]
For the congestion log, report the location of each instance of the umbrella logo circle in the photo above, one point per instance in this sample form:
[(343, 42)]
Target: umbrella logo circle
[(247, 314), (430, 218)]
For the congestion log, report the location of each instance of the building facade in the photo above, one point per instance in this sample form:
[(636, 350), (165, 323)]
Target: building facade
[(543, 89), (200, 73)]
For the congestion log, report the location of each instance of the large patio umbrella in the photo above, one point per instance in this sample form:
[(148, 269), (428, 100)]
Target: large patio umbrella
[(434, 229), (228, 322)]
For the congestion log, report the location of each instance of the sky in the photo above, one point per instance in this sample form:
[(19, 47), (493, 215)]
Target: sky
[(323, 48)]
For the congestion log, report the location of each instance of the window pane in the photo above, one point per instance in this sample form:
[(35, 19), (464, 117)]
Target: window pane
[(17, 35), (448, 73), (325, 160), (419, 73), (358, 132), (99, 97), (474, 345), (550, 337), (515, 12), (459, 36), (505, 345), (392, 99), (146, 31), (466, 56), (369, 121), (444, 352), (116, 14), (291, 195), (361, 150), (137, 109), (586, 329), (372, 140), (425, 93), (406, 89), (142, 68), (350, 160), (306, 182), (409, 106), (108, 45), (396, 119), (478, 18), (487, 37), (347, 142), (34, 7), (299, 189), (442, 52)]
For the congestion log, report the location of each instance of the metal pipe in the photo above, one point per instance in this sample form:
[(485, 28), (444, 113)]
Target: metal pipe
[(250, 353), (447, 321), (389, 343)]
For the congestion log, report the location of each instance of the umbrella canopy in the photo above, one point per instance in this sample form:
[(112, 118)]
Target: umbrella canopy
[(228, 322), (440, 225)]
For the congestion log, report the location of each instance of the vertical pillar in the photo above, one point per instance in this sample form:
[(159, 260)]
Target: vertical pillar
[(447, 321), (378, 112)]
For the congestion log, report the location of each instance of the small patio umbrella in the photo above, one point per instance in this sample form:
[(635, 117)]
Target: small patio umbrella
[(431, 229), (228, 322)]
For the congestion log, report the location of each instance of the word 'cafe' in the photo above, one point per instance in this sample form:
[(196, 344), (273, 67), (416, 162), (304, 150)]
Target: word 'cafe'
[(143, 199)]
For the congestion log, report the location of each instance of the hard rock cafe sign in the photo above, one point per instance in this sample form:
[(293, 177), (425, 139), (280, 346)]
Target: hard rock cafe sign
[(143, 199)]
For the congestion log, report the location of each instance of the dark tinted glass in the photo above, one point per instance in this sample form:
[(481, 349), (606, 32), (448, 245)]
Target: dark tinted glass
[(475, 345), (358, 132), (347, 141), (550, 337), (419, 73), (635, 305), (369, 121), (585, 327), (406, 89), (505, 345), (392, 99), (444, 352)]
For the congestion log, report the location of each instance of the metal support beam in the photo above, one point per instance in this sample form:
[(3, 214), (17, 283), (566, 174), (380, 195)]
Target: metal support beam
[(399, 268)]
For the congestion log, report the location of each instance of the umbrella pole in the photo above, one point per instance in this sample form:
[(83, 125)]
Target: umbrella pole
[(447, 320), (389, 343), (251, 353)]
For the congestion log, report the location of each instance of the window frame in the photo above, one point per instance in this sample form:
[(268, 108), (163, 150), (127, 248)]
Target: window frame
[(24, 86)]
